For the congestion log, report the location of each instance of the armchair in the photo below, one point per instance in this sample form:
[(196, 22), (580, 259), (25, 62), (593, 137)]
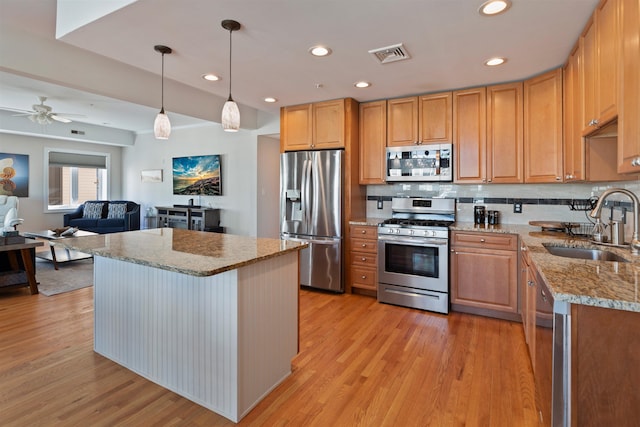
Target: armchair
[(9, 212)]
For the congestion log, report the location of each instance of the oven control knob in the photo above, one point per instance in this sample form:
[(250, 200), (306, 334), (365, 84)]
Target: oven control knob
[(412, 232)]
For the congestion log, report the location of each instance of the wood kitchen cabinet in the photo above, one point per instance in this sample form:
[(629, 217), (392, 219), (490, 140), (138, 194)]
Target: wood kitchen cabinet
[(605, 356), (543, 148), (488, 134), (505, 133), (484, 274), (574, 148), (629, 120), (528, 290), (373, 131), (321, 125), (600, 42), (425, 119), (363, 267), (470, 135)]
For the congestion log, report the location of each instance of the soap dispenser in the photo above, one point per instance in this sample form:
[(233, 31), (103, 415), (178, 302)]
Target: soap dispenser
[(598, 232)]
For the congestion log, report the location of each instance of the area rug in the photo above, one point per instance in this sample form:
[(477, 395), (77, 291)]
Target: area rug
[(69, 276)]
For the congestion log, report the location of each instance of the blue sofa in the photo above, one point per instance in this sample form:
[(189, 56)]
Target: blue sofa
[(112, 217)]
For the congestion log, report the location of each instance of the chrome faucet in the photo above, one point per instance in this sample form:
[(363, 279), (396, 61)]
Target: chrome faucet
[(595, 213)]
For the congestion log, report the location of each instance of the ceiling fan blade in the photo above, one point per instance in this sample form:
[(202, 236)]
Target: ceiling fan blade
[(69, 115), (60, 119), (17, 110), (22, 114)]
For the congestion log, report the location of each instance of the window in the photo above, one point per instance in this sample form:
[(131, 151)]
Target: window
[(73, 177)]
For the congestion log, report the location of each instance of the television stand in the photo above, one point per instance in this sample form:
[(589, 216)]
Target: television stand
[(189, 218)]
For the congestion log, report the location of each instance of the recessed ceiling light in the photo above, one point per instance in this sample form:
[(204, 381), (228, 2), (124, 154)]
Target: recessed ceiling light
[(211, 77), (494, 7), (495, 61), (319, 51), (270, 99), (362, 84)]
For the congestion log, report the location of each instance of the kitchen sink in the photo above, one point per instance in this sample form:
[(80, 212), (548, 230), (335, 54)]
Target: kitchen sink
[(583, 253)]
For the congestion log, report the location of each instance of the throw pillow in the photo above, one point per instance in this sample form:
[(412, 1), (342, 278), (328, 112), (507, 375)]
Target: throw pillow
[(117, 210), (92, 210)]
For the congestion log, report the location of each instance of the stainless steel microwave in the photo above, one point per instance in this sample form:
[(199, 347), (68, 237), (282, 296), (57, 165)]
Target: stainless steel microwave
[(426, 162)]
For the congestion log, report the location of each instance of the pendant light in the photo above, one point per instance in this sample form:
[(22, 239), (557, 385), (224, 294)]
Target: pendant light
[(230, 111), (162, 126)]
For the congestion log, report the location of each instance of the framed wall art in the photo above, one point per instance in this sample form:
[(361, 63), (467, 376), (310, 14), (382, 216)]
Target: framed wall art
[(14, 174), (151, 175), (197, 175)]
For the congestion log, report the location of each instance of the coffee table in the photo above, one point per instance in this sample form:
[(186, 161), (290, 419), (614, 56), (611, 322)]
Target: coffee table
[(63, 254)]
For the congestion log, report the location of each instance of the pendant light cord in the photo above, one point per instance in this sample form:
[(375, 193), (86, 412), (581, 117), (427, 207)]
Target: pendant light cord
[(230, 51), (162, 87)]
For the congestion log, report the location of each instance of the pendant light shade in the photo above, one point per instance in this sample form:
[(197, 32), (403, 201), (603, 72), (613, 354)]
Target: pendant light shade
[(230, 116), (162, 126), (230, 112)]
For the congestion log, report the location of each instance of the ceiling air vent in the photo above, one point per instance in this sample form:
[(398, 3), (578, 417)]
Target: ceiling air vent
[(394, 53)]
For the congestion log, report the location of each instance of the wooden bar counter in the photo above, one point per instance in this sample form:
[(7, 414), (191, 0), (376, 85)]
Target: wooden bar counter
[(212, 317)]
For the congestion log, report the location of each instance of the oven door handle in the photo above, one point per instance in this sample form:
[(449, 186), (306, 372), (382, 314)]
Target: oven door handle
[(414, 241)]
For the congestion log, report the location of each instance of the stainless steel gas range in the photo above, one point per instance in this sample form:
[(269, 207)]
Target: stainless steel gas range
[(413, 253)]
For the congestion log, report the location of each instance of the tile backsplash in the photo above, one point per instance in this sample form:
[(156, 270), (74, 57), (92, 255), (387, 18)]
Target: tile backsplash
[(548, 202)]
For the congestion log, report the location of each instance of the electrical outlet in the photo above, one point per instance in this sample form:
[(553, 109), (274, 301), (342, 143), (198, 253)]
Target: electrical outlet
[(379, 203), (517, 207)]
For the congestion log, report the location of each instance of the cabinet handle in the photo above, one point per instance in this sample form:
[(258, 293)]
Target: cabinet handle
[(364, 259), (531, 283), (558, 178), (635, 162), (364, 245), (482, 240), (488, 180), (364, 231), (364, 277)]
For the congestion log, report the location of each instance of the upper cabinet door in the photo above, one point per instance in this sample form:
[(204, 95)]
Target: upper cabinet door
[(373, 132), (608, 53), (328, 124), (629, 121), (543, 128), (295, 128), (574, 149), (600, 43), (470, 135), (505, 133), (402, 122), (435, 118)]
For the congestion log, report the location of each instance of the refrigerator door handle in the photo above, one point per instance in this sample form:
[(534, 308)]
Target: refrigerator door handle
[(304, 199), (328, 241)]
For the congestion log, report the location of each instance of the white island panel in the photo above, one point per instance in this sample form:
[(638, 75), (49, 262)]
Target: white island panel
[(222, 341)]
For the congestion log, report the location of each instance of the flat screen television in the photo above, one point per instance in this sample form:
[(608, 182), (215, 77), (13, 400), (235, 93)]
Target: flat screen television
[(197, 175)]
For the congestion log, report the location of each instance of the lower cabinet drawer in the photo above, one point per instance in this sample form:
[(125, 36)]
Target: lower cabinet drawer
[(364, 259), (362, 245), (363, 277)]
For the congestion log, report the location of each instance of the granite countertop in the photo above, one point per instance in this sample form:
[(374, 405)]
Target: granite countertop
[(598, 283), (196, 253), (366, 221)]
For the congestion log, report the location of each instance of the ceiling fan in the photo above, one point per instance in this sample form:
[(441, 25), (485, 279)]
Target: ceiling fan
[(44, 114)]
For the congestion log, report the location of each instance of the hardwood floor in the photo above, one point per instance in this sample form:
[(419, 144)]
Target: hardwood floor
[(361, 363)]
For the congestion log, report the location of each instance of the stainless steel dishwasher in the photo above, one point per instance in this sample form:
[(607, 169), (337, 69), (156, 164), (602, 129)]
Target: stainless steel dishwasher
[(553, 370)]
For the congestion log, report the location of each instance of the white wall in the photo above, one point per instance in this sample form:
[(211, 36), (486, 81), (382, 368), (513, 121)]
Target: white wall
[(32, 208), (239, 204), (268, 187)]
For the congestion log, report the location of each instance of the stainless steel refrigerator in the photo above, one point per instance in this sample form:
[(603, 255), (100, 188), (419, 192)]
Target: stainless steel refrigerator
[(311, 211)]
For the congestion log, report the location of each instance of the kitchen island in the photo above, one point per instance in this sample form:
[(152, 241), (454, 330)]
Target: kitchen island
[(212, 317)]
